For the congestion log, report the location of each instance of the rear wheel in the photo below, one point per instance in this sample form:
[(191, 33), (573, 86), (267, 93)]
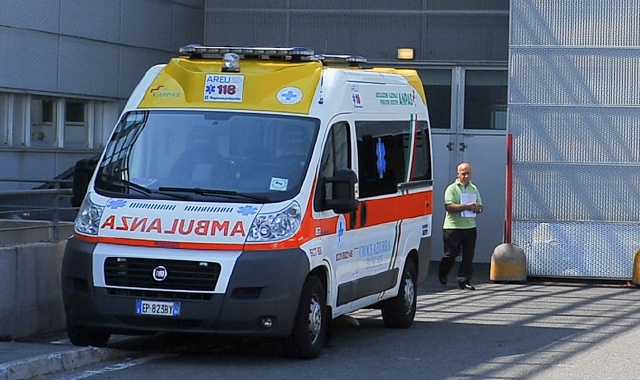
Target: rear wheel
[(310, 326), (399, 311), (85, 336)]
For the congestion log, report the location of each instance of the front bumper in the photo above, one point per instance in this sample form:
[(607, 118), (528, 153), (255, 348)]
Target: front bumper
[(263, 284)]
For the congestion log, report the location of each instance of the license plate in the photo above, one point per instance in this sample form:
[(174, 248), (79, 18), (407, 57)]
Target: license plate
[(168, 309)]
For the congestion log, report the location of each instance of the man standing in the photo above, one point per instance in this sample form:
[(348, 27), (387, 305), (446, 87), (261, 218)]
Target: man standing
[(462, 202)]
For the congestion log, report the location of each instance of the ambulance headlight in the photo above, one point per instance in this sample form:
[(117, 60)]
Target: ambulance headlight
[(275, 226), (88, 218)]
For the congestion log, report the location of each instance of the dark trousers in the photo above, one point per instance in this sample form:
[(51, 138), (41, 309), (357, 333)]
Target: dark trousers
[(455, 242)]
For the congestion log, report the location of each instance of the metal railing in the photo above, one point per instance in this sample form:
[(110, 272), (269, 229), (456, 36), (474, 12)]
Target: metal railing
[(25, 214)]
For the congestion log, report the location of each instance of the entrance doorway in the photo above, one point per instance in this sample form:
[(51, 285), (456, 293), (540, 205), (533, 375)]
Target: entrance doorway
[(468, 108)]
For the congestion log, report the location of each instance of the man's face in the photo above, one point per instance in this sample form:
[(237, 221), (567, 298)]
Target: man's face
[(464, 174)]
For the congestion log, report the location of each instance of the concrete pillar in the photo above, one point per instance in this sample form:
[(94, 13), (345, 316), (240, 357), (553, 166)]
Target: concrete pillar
[(508, 263)]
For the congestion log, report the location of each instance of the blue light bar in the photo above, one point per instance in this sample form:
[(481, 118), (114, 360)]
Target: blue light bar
[(199, 51), (340, 58)]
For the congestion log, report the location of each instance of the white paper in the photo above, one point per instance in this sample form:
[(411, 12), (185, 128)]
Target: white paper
[(466, 198)]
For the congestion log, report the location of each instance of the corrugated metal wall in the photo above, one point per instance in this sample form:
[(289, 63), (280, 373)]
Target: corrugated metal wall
[(438, 30), (574, 101)]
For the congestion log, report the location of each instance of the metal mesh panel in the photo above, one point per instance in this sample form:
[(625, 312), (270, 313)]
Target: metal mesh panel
[(472, 34), (583, 22), (578, 249), (573, 106), (438, 5), (356, 4), (575, 76), (258, 29), (212, 5), (466, 37), (576, 193), (338, 33), (575, 134)]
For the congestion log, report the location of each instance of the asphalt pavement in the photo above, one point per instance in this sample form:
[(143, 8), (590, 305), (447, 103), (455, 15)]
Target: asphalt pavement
[(53, 353)]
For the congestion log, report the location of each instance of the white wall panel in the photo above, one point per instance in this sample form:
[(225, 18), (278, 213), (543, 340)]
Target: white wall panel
[(37, 68), (35, 15), (88, 67), (95, 19), (148, 23)]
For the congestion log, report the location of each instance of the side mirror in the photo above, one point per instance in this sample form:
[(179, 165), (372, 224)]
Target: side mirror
[(342, 198), (81, 176)]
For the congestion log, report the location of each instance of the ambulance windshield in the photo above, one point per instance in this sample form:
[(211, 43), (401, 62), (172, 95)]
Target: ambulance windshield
[(207, 155)]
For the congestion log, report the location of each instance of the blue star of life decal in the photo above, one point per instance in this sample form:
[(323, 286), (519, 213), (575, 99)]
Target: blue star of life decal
[(381, 163), (341, 227), (247, 210), (116, 204)]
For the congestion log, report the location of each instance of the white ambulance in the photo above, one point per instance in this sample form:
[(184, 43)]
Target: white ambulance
[(255, 191)]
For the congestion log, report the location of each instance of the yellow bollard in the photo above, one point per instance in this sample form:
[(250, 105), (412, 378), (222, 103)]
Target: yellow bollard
[(636, 269), (508, 263)]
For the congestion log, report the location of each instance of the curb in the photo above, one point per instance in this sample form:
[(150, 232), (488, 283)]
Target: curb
[(47, 364)]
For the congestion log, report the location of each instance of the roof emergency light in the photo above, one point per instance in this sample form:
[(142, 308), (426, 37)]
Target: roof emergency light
[(231, 62)]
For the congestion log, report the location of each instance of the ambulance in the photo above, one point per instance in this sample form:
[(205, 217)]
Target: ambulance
[(255, 192)]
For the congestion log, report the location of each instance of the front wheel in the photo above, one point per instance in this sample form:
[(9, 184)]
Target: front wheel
[(399, 311), (84, 336), (310, 325)]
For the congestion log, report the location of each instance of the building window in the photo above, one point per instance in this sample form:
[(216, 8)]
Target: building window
[(75, 124), (485, 99), (43, 121), (437, 86)]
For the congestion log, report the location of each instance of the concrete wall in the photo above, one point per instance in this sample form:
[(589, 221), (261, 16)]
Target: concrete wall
[(14, 232), (30, 295)]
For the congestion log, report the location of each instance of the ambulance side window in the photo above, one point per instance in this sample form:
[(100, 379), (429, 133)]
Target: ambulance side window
[(384, 155), (336, 154)]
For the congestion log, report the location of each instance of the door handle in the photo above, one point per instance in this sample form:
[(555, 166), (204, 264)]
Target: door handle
[(463, 146), (352, 219), (450, 146)]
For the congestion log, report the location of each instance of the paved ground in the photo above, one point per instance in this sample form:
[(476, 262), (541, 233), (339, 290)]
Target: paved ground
[(598, 311)]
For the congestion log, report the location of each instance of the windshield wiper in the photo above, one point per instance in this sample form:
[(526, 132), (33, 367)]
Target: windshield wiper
[(215, 192), (114, 180), (139, 188)]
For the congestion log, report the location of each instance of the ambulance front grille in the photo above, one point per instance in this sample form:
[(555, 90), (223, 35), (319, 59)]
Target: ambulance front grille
[(179, 274), (159, 295)]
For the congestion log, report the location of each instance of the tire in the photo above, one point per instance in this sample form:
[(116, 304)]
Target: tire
[(310, 326), (84, 336), (399, 311)]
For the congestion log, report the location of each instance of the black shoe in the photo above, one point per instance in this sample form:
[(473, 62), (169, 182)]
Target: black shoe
[(464, 285), (443, 278)]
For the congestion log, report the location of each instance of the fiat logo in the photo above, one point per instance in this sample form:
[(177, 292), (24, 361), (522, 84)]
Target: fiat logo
[(160, 273)]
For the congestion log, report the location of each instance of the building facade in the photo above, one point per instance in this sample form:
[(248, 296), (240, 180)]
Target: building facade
[(66, 70)]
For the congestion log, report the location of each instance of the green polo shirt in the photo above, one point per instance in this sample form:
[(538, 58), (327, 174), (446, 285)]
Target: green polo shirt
[(454, 220)]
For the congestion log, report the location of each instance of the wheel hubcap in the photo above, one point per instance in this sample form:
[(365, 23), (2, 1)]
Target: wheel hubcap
[(408, 294), (315, 319)]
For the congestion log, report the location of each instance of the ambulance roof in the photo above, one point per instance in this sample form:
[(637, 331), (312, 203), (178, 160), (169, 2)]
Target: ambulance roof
[(243, 78)]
